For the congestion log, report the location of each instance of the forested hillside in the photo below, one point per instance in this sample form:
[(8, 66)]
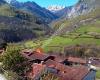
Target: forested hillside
[(17, 25), (35, 9)]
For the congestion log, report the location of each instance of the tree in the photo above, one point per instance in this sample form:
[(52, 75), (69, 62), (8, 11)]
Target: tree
[(3, 44), (12, 58)]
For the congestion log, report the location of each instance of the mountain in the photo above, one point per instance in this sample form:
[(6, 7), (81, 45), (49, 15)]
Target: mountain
[(55, 8), (34, 8), (80, 12), (81, 8), (2, 2), (64, 12), (18, 25), (81, 30), (84, 7)]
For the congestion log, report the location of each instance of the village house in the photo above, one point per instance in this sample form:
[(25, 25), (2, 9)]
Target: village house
[(71, 73), (36, 71), (57, 66), (35, 56), (73, 61), (61, 71)]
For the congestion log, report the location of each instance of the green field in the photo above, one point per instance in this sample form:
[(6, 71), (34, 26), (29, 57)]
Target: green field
[(58, 42), (92, 27), (98, 74), (73, 38), (61, 42)]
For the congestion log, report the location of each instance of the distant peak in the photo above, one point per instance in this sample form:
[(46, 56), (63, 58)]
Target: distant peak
[(8, 1), (54, 8)]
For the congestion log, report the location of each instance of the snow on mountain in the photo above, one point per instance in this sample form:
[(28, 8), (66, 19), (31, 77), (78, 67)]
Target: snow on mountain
[(55, 8), (81, 8)]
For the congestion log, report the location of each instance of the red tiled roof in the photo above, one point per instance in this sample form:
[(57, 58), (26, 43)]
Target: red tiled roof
[(32, 55), (58, 58), (76, 60), (66, 72), (56, 65), (36, 70), (76, 73)]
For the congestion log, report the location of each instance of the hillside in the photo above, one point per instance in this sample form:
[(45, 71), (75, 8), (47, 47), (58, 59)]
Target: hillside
[(63, 13), (88, 34), (2, 2), (79, 25), (17, 25), (6, 10), (83, 31), (34, 8), (80, 8), (77, 20)]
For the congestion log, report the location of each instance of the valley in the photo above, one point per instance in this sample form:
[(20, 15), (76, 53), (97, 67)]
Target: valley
[(37, 41)]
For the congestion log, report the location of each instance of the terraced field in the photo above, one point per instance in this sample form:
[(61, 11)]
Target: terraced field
[(79, 36)]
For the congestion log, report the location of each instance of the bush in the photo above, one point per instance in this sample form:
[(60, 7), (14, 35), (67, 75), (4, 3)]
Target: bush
[(11, 75), (12, 58)]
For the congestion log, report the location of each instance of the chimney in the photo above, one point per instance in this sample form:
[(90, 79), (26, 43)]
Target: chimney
[(39, 50)]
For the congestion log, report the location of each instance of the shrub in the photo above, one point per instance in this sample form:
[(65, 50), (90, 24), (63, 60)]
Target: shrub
[(12, 58)]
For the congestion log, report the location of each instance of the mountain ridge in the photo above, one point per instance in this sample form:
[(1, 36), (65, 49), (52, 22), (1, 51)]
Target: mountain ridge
[(55, 8), (2, 2), (80, 8), (18, 25), (34, 8)]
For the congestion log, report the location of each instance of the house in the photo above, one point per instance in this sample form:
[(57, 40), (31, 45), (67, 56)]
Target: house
[(36, 71), (71, 73), (58, 58), (58, 66), (36, 57), (74, 61)]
